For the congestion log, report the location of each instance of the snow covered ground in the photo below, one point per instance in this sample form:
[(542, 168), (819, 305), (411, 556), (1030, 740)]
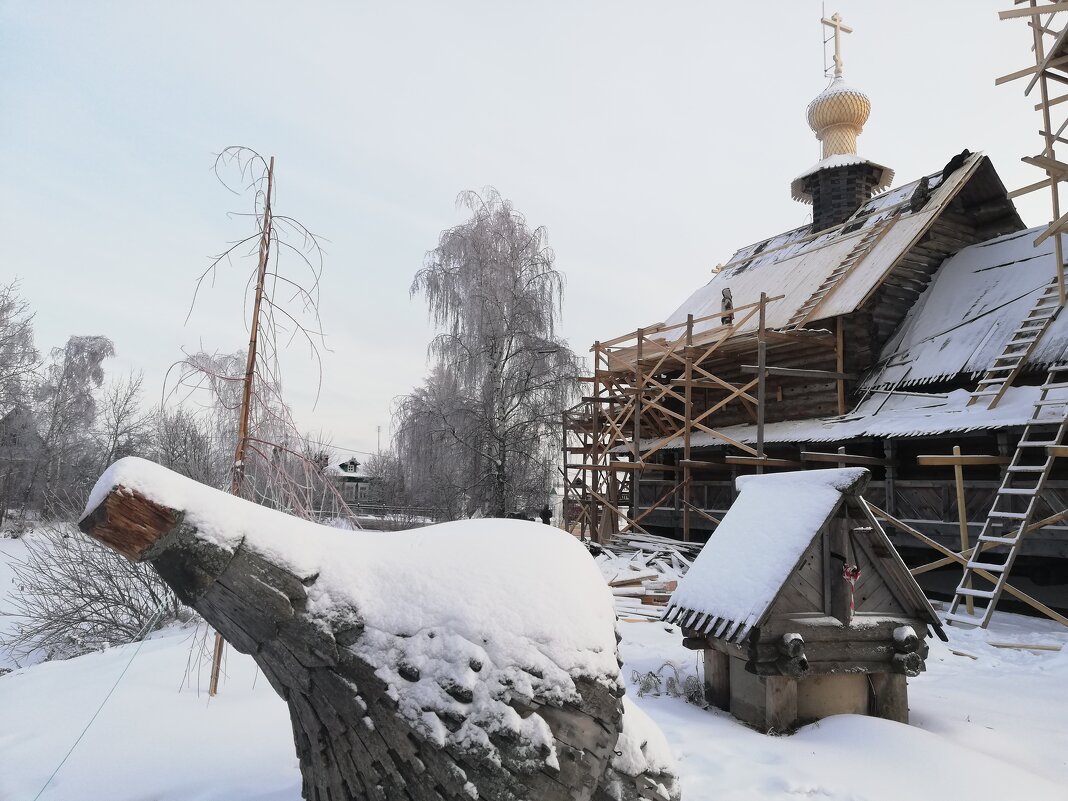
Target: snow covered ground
[(993, 727)]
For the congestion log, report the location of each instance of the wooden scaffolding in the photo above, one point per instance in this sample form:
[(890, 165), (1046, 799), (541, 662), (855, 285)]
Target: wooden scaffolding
[(654, 389)]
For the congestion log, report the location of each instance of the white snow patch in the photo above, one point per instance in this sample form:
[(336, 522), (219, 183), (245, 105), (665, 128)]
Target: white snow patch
[(445, 609)]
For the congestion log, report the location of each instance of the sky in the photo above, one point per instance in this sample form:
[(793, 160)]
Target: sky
[(652, 140)]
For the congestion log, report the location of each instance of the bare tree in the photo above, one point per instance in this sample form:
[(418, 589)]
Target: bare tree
[(490, 411), (18, 357), (270, 461), (66, 411), (62, 608), (123, 426)]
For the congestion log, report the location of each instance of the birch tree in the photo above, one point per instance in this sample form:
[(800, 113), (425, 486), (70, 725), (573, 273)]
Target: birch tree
[(485, 425)]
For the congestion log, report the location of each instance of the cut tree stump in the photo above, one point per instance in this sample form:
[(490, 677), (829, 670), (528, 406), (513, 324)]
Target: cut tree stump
[(353, 739)]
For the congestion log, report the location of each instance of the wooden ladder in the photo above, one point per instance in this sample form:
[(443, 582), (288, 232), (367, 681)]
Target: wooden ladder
[(865, 242), (1000, 375), (1014, 504)]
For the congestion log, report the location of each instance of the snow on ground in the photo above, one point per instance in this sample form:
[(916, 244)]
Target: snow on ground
[(11, 548), (986, 728)]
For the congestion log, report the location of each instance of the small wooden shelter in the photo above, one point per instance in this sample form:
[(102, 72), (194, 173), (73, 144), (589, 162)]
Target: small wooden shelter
[(802, 606)]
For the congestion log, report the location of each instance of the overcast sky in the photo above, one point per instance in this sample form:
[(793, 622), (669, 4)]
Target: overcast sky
[(651, 139)]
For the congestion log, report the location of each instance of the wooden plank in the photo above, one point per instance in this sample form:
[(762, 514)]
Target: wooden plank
[(1026, 646), (758, 461), (845, 458), (966, 459), (1032, 11), (956, 557)]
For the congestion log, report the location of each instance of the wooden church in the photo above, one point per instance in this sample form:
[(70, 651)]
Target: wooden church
[(801, 605), (914, 331)]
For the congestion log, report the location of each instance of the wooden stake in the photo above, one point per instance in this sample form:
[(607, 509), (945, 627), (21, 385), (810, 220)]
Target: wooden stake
[(962, 516), (238, 476)]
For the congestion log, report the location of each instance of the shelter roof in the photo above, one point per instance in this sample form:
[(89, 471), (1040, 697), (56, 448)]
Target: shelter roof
[(740, 572)]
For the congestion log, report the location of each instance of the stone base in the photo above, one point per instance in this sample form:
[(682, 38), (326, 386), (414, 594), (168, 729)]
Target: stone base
[(780, 702)]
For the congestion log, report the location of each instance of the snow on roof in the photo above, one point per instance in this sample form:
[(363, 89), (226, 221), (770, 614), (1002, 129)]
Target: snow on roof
[(795, 263), (759, 542), (340, 470), (880, 416), (523, 599), (964, 318), (797, 189)]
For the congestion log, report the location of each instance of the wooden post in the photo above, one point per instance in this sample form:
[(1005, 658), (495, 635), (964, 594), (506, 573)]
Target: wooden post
[(237, 479), (839, 353), (635, 480), (688, 392), (717, 679), (962, 516), (762, 353), (564, 521), (780, 701), (890, 453), (595, 442)]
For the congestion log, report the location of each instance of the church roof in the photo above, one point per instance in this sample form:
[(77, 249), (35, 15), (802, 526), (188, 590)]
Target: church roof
[(795, 263), (967, 315)]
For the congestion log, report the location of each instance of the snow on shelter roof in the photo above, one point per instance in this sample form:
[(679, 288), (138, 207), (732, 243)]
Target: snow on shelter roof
[(756, 547), (968, 313), (795, 263)]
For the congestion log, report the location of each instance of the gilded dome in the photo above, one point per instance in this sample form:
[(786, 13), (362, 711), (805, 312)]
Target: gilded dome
[(837, 116)]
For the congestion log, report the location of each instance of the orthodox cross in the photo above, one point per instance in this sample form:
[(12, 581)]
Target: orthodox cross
[(839, 28)]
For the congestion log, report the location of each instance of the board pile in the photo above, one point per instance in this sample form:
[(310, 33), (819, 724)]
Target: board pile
[(642, 570)]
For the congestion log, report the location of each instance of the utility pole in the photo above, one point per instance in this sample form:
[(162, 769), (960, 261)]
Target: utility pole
[(238, 477)]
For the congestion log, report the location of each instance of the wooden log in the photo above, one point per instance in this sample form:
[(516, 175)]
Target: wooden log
[(891, 696), (717, 679), (352, 737)]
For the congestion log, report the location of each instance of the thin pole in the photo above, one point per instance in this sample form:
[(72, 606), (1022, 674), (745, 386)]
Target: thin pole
[(762, 355), (238, 476), (962, 515), (1047, 131), (686, 495)]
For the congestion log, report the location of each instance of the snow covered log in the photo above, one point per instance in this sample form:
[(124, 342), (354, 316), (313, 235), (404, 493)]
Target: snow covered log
[(470, 660)]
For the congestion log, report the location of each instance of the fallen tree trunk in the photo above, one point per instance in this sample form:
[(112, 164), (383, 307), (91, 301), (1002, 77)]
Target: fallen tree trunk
[(388, 702)]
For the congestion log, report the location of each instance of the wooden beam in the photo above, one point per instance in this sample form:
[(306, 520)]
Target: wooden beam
[(956, 557), (764, 461), (1055, 227), (845, 458), (1032, 11), (1057, 451), (1026, 190), (794, 372), (966, 459), (697, 464)]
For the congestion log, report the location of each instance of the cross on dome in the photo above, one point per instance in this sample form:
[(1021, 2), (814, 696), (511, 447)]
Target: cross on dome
[(839, 28)]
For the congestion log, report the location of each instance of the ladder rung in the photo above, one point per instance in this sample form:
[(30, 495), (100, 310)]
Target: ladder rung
[(1058, 385), (974, 593), (1037, 443), (998, 540), (1008, 515), (1025, 468), (970, 620), (1052, 402), (1017, 491), (990, 567)]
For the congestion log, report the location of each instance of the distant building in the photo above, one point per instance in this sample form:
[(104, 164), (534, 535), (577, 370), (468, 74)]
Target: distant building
[(352, 480)]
